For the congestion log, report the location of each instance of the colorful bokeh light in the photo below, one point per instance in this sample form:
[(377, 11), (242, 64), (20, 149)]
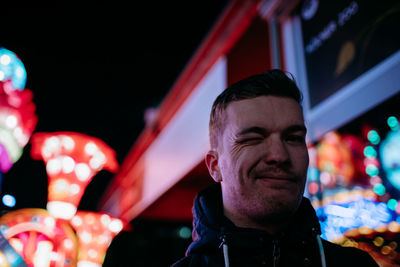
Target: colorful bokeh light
[(72, 159), (95, 232), (12, 68), (39, 238), (17, 122)]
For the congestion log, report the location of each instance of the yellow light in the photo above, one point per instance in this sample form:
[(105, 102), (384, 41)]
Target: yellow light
[(3, 260), (386, 250), (365, 230), (394, 227), (378, 241), (393, 244)]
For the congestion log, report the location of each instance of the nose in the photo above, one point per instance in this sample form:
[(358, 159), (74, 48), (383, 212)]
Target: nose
[(276, 152)]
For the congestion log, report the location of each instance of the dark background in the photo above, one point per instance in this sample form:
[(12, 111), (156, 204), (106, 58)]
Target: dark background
[(95, 68)]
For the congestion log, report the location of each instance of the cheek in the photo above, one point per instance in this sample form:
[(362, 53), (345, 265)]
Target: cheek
[(231, 169), (300, 161)]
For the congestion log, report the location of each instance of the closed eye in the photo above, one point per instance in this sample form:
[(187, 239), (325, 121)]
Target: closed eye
[(294, 138), (251, 139)]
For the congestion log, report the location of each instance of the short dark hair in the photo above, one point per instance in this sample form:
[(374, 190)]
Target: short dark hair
[(272, 82)]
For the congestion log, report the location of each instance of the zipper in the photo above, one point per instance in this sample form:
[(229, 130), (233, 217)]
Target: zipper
[(276, 253), (224, 246)]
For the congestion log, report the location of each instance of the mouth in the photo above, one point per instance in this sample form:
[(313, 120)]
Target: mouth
[(276, 177)]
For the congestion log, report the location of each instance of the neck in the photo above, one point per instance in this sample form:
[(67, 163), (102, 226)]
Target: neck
[(246, 222)]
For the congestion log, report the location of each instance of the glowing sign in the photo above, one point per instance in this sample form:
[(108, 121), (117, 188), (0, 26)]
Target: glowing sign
[(72, 159)]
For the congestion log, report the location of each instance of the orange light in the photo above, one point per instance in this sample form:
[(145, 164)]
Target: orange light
[(95, 232), (39, 238), (72, 159)]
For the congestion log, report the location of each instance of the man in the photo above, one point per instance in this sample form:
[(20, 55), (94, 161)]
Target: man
[(256, 214)]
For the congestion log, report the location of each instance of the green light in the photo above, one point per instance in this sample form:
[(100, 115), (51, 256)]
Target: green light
[(393, 123), (369, 152), (392, 203), (373, 137), (185, 232), (371, 170), (379, 189)]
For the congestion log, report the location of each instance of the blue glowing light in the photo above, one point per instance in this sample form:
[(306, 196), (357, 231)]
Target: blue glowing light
[(185, 232), (11, 67), (392, 203), (379, 189), (389, 152), (312, 174), (373, 137), (370, 152), (336, 218), (393, 123), (8, 200), (371, 170)]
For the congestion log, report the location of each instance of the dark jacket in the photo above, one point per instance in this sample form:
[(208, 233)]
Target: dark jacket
[(296, 245)]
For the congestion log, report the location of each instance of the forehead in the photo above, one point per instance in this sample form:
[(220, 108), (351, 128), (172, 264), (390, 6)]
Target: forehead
[(270, 112)]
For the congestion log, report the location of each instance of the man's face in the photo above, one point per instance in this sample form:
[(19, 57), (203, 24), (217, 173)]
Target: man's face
[(261, 159)]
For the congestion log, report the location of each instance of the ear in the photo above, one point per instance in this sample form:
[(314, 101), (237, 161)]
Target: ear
[(212, 165)]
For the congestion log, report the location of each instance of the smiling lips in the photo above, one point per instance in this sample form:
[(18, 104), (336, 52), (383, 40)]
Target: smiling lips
[(275, 176)]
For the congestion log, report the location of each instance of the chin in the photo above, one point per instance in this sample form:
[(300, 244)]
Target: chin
[(278, 211)]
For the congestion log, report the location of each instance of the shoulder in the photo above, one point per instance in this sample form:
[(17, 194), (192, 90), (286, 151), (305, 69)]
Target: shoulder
[(182, 262), (347, 256), (190, 260)]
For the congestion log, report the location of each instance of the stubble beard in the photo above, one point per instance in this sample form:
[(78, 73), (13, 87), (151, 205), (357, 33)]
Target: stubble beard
[(271, 210)]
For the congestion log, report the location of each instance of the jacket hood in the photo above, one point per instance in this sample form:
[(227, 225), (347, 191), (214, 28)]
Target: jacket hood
[(210, 225)]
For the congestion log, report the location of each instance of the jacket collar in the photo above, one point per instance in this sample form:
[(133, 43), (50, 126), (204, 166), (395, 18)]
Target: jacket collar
[(210, 225)]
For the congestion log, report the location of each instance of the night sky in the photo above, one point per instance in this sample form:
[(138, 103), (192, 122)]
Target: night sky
[(95, 69)]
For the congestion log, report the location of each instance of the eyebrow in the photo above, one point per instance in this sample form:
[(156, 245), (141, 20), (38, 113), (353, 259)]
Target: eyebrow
[(296, 128), (260, 130), (253, 129)]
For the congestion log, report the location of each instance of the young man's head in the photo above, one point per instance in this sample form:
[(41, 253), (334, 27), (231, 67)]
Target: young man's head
[(258, 150)]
